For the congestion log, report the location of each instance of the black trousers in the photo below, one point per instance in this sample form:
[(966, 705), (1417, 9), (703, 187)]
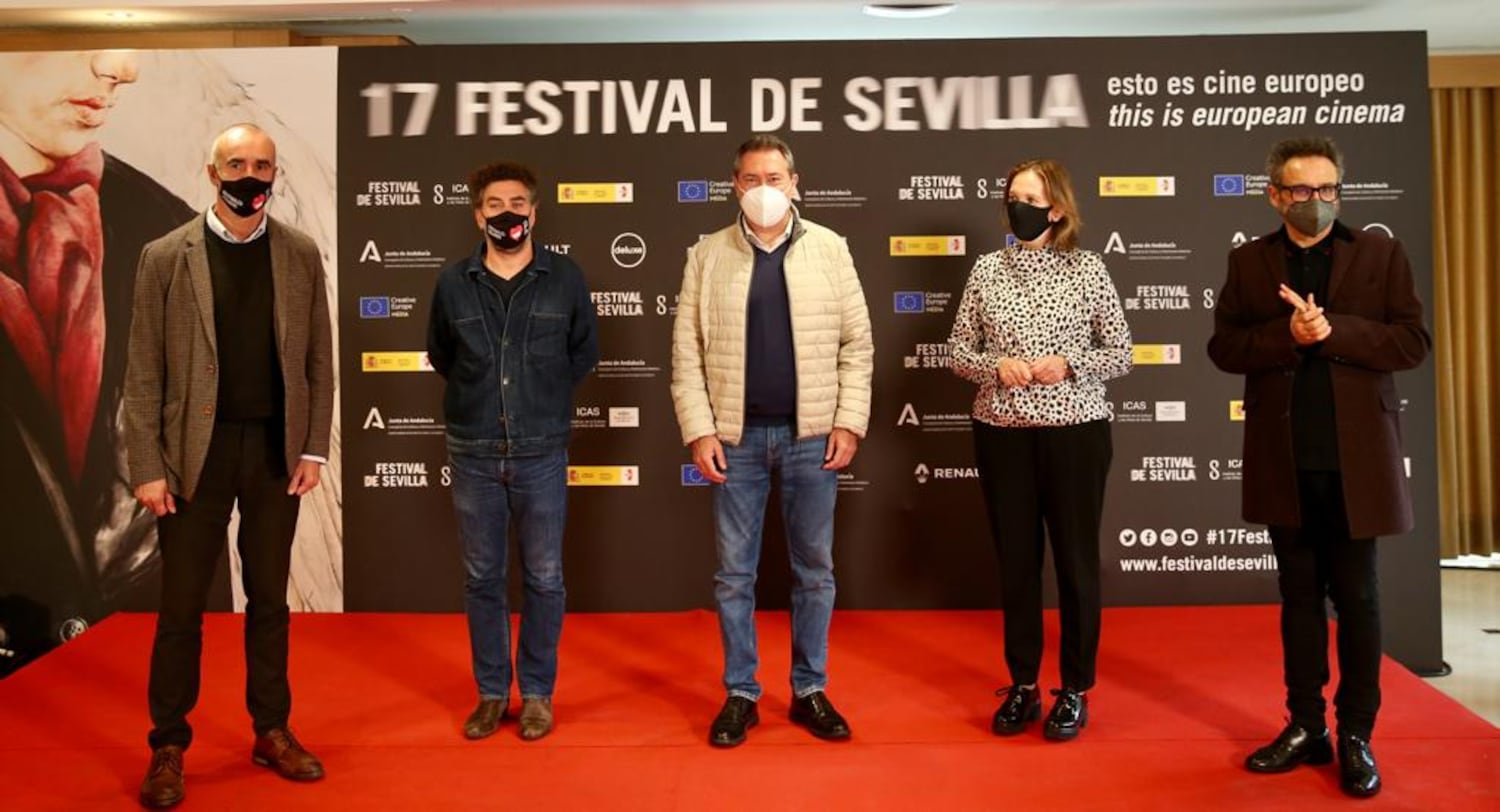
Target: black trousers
[(245, 464), (1044, 483), (1318, 562)]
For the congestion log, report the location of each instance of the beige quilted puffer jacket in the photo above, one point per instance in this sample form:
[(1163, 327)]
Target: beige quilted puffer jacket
[(831, 336)]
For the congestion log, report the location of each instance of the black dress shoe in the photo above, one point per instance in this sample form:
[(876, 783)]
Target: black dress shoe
[(1070, 713), (1022, 705), (1296, 745), (1357, 771), (737, 716), (816, 713)]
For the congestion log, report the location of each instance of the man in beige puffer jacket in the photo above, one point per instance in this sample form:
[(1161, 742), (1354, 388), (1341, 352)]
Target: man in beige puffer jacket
[(771, 364)]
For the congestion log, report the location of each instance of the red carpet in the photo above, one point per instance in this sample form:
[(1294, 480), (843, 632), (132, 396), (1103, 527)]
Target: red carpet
[(1184, 694)]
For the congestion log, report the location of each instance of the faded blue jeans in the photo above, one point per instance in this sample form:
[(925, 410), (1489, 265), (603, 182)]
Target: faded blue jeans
[(807, 500), (491, 493)]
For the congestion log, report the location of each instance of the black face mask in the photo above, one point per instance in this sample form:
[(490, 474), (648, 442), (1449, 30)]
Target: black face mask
[(507, 230), (1027, 222), (245, 196)]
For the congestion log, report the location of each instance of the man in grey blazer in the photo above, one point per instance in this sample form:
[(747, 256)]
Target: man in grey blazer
[(228, 398)]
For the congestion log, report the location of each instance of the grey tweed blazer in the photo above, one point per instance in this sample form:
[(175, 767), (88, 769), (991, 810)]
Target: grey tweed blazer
[(171, 383)]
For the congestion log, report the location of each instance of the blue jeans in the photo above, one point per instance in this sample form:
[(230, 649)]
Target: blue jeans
[(490, 493), (807, 499)]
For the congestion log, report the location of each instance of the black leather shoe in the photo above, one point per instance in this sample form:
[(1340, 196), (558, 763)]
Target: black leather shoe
[(1021, 706), (1357, 771), (1070, 713), (816, 713), (737, 716), (1296, 745)]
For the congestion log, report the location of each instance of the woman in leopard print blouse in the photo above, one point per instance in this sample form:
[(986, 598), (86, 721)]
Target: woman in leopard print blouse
[(1039, 330)]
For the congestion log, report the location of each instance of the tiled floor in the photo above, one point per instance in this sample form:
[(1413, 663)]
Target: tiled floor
[(1471, 604)]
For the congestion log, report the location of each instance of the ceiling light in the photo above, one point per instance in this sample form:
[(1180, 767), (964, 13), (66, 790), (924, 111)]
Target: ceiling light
[(908, 11)]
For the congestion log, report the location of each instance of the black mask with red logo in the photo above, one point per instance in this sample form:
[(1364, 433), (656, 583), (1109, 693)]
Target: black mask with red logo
[(507, 230)]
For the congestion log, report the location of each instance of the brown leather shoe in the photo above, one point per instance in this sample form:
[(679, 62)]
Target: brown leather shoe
[(485, 719), (536, 718), (281, 751), (162, 786)]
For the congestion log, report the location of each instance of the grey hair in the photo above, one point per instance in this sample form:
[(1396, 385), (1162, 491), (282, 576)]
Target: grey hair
[(764, 143), (216, 153)]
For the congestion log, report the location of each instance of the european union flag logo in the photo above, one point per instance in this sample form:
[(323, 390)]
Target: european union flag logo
[(911, 301), (1229, 185), (692, 476), (692, 191), (374, 307)]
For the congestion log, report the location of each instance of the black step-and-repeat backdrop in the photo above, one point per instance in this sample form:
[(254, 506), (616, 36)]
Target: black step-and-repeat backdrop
[(903, 148)]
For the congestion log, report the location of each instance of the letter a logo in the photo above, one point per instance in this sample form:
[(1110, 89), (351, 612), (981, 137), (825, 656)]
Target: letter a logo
[(371, 253), (908, 417), (374, 419), (1114, 245)]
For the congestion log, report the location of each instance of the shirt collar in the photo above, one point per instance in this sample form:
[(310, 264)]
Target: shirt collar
[(541, 259), (1325, 245), (222, 232), (768, 247)]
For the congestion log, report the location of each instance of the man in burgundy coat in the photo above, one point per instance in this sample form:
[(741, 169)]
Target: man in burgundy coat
[(1317, 316)]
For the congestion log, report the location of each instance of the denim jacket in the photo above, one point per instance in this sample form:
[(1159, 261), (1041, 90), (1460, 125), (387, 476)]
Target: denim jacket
[(511, 371)]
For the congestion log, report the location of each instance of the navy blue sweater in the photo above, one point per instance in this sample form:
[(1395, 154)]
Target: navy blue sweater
[(770, 358)]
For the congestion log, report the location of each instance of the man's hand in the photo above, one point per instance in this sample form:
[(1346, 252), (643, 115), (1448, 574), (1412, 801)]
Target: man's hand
[(708, 455), (1014, 372), (305, 478), (1049, 370), (842, 443), (1309, 325), (155, 496)]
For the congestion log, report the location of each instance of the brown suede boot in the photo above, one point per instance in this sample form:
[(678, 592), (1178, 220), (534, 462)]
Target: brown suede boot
[(536, 718)]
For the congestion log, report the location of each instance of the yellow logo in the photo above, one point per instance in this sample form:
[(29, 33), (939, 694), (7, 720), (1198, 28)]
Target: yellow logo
[(394, 362), (596, 192), (1137, 186), (1158, 354), (608, 475), (929, 245), (1237, 410)]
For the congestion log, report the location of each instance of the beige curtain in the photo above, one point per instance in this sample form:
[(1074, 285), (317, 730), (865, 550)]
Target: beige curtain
[(1466, 315)]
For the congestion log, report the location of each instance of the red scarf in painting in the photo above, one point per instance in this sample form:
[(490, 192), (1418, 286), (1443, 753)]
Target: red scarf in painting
[(51, 290)]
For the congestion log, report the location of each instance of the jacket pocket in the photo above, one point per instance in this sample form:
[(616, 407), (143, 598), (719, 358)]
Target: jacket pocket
[(547, 333), (473, 347)]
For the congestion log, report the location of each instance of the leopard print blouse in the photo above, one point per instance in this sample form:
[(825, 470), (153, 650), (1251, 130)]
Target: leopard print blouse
[(1029, 303)]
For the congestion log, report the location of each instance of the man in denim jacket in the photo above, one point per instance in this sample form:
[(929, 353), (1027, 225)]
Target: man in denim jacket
[(512, 331)]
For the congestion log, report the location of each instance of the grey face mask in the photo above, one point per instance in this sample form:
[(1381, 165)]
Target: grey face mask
[(1311, 216)]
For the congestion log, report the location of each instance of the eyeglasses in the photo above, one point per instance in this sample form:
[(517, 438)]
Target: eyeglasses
[(1302, 194)]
